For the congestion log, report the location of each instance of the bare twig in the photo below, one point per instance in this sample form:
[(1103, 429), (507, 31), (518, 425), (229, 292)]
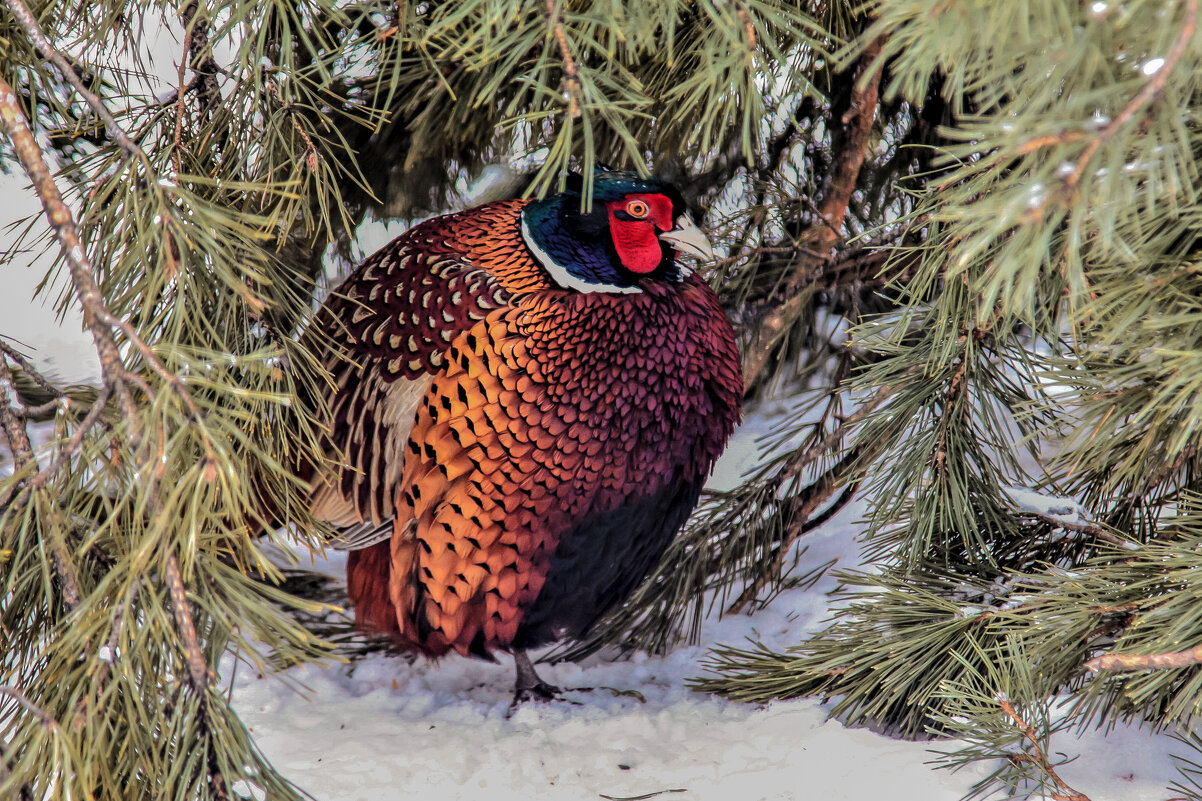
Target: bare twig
[(1036, 757), (44, 717), (571, 75), (76, 441), (28, 369), (1129, 662), (29, 22), (1153, 87), (805, 458), (179, 99), (1080, 527)]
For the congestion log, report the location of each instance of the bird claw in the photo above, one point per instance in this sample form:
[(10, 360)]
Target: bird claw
[(542, 692)]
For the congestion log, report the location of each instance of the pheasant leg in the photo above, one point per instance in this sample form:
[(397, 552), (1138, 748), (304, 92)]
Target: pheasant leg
[(529, 687)]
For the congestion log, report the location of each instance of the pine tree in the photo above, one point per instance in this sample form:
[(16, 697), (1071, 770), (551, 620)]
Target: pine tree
[(1031, 449)]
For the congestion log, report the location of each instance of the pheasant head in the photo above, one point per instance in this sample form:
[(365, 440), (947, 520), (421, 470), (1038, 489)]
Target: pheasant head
[(633, 231)]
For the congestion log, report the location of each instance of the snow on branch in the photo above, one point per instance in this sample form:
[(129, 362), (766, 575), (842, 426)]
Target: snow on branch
[(1063, 513)]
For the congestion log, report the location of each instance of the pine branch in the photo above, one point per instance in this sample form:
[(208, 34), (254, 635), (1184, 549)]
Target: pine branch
[(199, 58), (198, 669), (1154, 86), (822, 238), (811, 454), (311, 155), (29, 370), (1037, 756), (571, 74), (12, 119), (799, 508), (116, 378), (1133, 662), (44, 717), (12, 421), (73, 445), (34, 31), (798, 511)]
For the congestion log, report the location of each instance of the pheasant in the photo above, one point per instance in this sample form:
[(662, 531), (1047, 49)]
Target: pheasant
[(526, 401)]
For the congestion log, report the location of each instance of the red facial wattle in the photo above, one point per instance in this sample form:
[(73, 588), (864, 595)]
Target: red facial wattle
[(636, 236)]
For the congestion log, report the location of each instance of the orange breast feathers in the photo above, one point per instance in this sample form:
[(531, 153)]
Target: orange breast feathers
[(561, 407)]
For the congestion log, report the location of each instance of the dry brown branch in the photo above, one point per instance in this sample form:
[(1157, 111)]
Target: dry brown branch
[(825, 234), (1038, 758), (34, 31), (571, 75), (1150, 89), (1129, 662)]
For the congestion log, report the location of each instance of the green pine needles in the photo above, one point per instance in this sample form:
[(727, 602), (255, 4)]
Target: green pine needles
[(1047, 338)]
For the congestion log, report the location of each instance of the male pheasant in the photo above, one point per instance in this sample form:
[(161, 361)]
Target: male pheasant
[(527, 399)]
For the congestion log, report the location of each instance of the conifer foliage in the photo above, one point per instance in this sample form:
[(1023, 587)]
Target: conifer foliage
[(1034, 483), (962, 233)]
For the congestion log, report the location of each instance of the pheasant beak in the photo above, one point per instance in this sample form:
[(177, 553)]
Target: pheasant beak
[(688, 238)]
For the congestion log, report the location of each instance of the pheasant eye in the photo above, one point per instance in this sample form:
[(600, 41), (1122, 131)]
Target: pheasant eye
[(637, 208)]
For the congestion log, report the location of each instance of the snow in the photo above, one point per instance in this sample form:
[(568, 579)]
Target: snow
[(1152, 66), (1065, 510), (383, 728)]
